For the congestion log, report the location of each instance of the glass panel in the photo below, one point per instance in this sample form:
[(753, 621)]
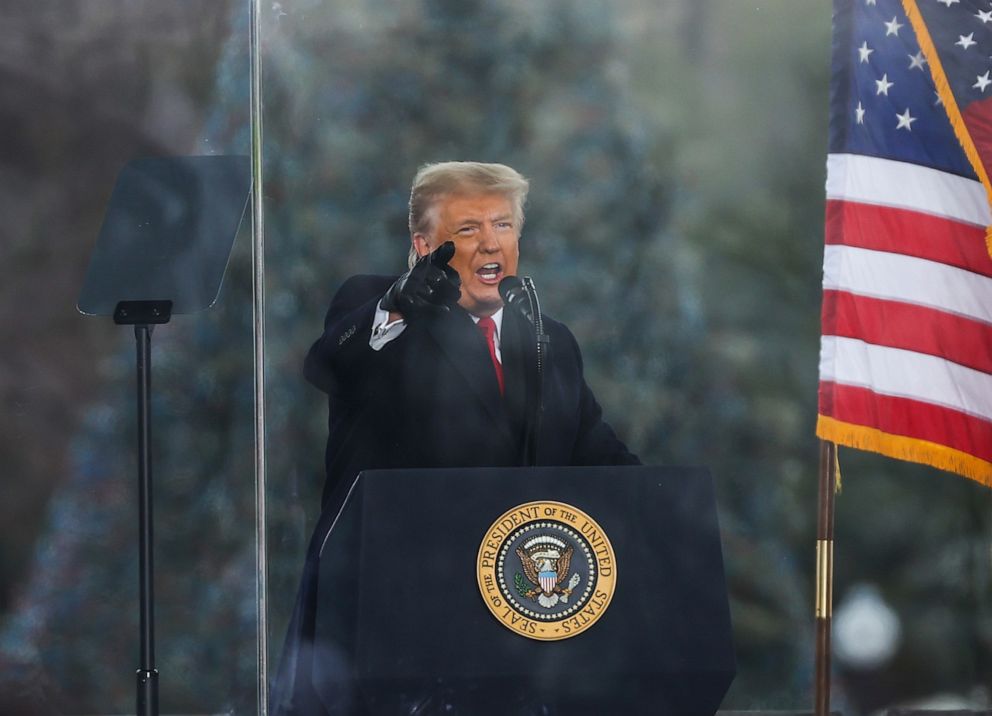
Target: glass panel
[(675, 153), (88, 86)]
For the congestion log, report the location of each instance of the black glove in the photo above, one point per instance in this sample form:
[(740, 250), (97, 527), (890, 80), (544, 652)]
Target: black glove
[(431, 286)]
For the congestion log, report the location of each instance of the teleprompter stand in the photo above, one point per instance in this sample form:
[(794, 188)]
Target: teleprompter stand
[(163, 248)]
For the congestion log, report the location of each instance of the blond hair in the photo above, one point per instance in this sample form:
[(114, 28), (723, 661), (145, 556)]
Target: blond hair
[(467, 178)]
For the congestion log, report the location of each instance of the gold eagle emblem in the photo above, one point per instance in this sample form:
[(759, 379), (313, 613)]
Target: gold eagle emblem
[(545, 560)]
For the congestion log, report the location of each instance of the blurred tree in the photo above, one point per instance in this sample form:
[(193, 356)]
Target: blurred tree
[(90, 86), (74, 106), (676, 153)]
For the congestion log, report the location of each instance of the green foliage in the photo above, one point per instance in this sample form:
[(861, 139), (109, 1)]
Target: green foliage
[(525, 591), (676, 154)]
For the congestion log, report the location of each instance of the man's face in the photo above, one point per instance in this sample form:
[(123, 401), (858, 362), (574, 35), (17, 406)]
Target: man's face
[(486, 240)]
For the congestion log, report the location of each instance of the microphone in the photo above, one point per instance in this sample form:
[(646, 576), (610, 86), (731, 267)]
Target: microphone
[(514, 293)]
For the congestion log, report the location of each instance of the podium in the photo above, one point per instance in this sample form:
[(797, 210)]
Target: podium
[(407, 573)]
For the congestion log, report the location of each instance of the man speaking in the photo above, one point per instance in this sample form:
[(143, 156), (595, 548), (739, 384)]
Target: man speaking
[(431, 370)]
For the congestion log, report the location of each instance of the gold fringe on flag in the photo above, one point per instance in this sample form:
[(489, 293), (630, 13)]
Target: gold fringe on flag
[(950, 104), (900, 447)]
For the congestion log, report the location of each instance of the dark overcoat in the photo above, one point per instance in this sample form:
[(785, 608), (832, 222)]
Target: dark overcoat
[(430, 398)]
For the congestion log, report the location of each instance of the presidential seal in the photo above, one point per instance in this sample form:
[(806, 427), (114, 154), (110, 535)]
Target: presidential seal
[(546, 570)]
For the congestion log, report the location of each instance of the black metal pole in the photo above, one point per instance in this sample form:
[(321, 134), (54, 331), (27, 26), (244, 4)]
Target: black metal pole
[(147, 675)]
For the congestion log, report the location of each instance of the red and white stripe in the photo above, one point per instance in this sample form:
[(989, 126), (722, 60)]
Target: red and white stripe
[(907, 304)]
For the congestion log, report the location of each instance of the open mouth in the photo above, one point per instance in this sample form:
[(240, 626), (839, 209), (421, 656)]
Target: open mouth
[(490, 273)]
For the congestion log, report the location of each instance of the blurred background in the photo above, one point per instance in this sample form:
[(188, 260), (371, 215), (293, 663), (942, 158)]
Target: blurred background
[(676, 152)]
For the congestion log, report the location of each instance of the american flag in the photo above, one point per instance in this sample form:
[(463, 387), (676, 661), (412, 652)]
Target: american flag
[(906, 350)]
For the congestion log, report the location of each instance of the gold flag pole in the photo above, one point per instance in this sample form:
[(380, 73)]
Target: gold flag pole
[(824, 573)]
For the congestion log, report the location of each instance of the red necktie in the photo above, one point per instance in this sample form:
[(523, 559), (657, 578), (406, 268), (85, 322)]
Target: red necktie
[(488, 327)]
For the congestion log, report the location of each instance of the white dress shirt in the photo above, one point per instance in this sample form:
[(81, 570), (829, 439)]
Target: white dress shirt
[(384, 330)]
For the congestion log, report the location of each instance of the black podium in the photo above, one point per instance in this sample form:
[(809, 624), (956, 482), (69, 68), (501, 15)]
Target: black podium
[(402, 625)]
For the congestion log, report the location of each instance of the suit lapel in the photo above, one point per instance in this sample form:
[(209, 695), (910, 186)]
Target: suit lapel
[(462, 345)]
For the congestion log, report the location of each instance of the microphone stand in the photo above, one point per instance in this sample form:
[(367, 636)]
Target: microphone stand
[(513, 290), (542, 341)]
